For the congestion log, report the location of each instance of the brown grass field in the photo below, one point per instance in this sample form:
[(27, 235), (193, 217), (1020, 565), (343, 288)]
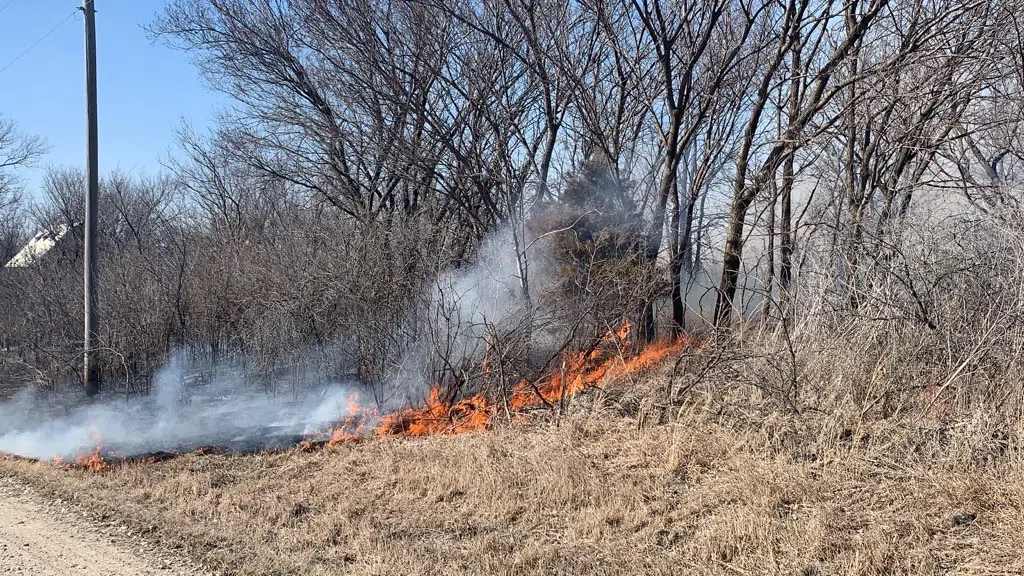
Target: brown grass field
[(718, 483)]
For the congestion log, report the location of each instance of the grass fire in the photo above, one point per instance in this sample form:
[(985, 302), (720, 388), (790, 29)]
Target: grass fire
[(513, 288), (611, 357)]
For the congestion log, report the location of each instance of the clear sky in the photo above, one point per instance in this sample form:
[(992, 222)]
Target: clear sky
[(145, 90)]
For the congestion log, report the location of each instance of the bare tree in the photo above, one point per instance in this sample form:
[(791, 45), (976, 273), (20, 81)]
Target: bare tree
[(17, 150)]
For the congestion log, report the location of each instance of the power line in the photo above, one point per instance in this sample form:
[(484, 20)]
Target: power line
[(36, 43), (6, 4)]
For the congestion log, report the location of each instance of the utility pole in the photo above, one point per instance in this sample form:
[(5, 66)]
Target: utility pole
[(91, 367)]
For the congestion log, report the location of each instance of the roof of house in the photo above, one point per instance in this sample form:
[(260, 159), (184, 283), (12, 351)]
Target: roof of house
[(37, 247)]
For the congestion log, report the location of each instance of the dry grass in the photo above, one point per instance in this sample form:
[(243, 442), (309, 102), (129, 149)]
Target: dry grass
[(723, 486)]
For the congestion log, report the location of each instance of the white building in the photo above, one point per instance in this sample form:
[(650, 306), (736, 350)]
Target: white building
[(37, 247)]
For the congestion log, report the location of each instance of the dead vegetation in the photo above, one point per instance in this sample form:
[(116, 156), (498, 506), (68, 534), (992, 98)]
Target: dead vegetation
[(857, 407), (831, 443), (676, 472)]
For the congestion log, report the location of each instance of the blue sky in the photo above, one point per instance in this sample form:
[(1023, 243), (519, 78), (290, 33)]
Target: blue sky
[(145, 90)]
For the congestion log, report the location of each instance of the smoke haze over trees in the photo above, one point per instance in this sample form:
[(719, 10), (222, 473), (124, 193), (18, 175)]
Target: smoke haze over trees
[(849, 169)]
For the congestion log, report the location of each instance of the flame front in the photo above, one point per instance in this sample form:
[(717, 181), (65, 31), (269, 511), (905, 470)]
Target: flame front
[(93, 462), (608, 360)]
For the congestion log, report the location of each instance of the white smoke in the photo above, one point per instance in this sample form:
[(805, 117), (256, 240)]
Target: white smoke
[(170, 419), (462, 309), (461, 306)]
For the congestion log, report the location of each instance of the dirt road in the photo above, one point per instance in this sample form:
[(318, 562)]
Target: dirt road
[(41, 538)]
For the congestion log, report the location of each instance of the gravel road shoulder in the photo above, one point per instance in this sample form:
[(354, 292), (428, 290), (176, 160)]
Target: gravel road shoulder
[(43, 538)]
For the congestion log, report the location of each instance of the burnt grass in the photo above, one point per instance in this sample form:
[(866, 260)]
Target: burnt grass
[(721, 482)]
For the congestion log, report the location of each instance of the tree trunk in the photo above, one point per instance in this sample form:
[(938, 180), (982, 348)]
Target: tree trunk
[(855, 201), (675, 267), (731, 257), (545, 161), (769, 275), (786, 193), (666, 184)]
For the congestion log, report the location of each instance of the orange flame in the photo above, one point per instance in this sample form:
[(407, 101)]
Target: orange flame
[(610, 359), (438, 417), (93, 462)]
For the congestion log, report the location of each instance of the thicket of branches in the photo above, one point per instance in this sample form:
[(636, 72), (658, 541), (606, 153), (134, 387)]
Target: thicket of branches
[(687, 164)]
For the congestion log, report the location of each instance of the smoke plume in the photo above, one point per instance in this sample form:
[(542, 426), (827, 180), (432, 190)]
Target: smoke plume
[(458, 307)]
